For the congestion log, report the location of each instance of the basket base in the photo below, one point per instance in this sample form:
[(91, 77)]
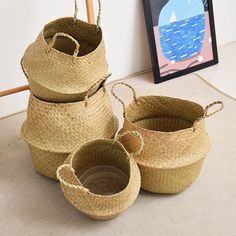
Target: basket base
[(169, 181), (104, 180), (103, 218), (46, 163)]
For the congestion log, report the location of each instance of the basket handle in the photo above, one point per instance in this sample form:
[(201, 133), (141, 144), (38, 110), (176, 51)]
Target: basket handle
[(119, 99), (60, 34), (135, 134), (62, 181), (98, 17), (23, 68), (102, 80), (207, 113)]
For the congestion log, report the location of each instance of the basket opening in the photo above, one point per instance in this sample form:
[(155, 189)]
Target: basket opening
[(163, 114), (86, 34), (103, 168)]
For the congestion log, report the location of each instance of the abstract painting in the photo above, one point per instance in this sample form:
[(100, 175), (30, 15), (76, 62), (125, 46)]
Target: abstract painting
[(181, 36)]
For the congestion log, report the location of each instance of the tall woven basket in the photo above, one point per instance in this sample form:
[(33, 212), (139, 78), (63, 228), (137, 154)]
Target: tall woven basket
[(100, 178), (53, 130), (175, 139), (66, 59)]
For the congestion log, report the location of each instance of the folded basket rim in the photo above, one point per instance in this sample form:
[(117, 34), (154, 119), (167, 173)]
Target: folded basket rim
[(151, 97), (104, 125), (108, 141), (93, 26), (94, 63), (95, 205)]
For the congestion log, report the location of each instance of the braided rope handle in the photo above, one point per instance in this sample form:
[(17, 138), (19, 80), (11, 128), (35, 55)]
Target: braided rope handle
[(62, 181), (72, 170), (76, 11), (206, 111), (119, 99), (135, 134), (60, 34), (206, 114), (102, 80), (99, 13)]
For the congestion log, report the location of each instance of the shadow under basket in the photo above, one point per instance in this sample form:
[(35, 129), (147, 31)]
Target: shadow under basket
[(100, 179), (175, 139)]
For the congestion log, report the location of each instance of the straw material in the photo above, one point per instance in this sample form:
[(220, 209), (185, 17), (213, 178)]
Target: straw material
[(164, 180), (176, 141), (113, 187), (45, 162), (58, 128), (67, 58)]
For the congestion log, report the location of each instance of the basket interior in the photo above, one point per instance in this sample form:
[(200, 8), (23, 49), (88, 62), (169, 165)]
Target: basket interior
[(163, 113), (86, 34), (103, 168)]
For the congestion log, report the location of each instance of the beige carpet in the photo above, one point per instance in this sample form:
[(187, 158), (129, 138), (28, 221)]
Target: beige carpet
[(31, 205)]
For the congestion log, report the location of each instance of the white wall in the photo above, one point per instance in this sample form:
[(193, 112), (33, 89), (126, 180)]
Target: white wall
[(124, 31)]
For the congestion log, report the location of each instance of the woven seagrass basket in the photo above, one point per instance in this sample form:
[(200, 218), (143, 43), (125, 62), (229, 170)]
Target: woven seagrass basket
[(53, 130), (100, 178), (176, 141), (66, 59)]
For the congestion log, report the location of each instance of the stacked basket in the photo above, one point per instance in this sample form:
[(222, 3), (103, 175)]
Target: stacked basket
[(70, 127), (66, 69)]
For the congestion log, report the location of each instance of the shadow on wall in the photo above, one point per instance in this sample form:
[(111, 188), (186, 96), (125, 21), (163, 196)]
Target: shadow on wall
[(125, 37), (139, 35)]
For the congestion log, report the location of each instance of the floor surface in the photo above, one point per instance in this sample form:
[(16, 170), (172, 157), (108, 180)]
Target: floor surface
[(223, 75), (33, 205)]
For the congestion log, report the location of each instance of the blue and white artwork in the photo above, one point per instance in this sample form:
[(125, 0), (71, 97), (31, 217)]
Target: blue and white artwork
[(182, 26), (181, 36)]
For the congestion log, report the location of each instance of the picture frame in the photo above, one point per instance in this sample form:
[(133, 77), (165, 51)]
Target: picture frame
[(182, 37)]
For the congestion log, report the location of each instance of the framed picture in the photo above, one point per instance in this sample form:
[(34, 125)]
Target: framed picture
[(181, 36)]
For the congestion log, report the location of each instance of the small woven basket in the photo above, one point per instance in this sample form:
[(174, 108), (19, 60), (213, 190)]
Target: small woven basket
[(100, 178), (67, 58), (176, 141), (53, 130)]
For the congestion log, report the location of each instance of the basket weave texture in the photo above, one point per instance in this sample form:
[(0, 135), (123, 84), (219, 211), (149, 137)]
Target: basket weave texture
[(45, 162), (67, 69), (101, 152), (176, 141), (66, 59), (58, 128)]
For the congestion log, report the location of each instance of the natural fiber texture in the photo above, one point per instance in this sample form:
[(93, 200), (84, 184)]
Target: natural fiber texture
[(104, 155), (60, 127), (67, 58), (164, 180), (45, 162), (175, 140), (54, 130)]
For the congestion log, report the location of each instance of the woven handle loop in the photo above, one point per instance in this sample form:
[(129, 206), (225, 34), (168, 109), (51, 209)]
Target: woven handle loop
[(77, 46), (206, 111), (209, 114), (100, 81), (99, 13), (135, 134), (119, 99), (65, 183)]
